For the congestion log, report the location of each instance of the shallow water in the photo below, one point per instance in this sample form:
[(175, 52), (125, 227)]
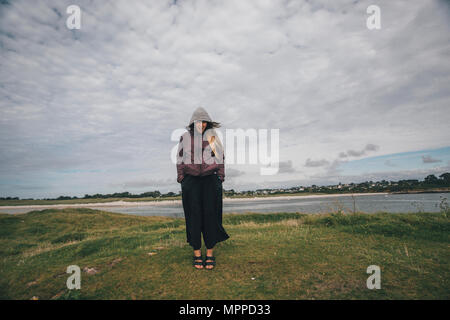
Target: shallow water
[(426, 202)]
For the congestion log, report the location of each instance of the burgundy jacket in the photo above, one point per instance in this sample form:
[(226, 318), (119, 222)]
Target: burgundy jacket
[(206, 162)]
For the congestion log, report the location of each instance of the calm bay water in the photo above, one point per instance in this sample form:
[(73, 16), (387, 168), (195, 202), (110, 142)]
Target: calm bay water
[(427, 202)]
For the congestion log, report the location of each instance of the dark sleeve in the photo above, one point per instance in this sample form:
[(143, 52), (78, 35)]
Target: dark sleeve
[(180, 164)]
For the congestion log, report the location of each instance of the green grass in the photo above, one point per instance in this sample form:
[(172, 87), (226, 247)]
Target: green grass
[(268, 256)]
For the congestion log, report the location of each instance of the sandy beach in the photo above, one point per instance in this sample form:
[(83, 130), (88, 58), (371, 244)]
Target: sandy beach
[(166, 202)]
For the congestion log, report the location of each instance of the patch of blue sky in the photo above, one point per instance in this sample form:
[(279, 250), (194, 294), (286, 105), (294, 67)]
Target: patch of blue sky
[(422, 159)]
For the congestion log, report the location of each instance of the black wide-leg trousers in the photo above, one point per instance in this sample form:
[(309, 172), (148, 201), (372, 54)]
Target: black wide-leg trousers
[(202, 204)]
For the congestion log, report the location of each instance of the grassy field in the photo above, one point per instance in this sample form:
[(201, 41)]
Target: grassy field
[(268, 256)]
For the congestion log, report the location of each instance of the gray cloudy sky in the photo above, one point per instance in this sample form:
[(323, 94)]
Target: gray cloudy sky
[(93, 110)]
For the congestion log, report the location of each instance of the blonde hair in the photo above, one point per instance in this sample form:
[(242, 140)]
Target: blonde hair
[(214, 141)]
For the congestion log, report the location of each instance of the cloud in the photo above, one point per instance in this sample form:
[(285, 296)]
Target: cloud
[(352, 153), (108, 96), (316, 163), (430, 159), (389, 163), (283, 166), (143, 183), (233, 173), (286, 167)]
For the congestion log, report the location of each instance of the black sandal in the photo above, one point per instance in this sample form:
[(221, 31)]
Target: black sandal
[(210, 263), (195, 262)]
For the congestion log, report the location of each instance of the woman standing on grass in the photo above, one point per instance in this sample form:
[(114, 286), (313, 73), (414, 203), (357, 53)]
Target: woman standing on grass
[(201, 172)]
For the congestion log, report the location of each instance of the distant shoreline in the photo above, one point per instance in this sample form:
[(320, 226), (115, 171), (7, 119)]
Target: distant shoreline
[(121, 203), (161, 202)]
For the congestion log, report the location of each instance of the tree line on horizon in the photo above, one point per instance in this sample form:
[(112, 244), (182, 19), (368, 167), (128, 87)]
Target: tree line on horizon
[(429, 182)]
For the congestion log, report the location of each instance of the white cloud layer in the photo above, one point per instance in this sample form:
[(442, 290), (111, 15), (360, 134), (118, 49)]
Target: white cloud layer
[(86, 111)]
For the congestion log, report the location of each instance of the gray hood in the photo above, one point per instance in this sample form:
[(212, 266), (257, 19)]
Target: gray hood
[(200, 114)]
